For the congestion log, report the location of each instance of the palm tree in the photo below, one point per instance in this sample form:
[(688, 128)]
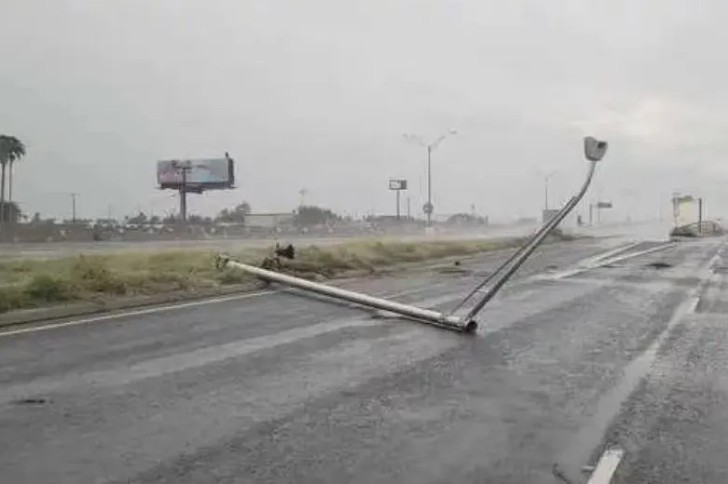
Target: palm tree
[(11, 150)]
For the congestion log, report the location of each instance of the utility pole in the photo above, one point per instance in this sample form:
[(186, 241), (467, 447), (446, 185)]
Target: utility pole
[(302, 192), (183, 196), (547, 177), (700, 215), (73, 207), (409, 212), (591, 212), (428, 208)]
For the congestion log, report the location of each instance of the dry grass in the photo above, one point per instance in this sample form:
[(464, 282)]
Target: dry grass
[(31, 283)]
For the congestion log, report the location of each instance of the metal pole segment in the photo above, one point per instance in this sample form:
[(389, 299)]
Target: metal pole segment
[(505, 264), (594, 151), (553, 223), (429, 184), (700, 215), (419, 314), (546, 227)]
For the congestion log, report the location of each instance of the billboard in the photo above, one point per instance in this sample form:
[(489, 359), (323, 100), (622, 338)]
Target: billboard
[(397, 184), (200, 174)]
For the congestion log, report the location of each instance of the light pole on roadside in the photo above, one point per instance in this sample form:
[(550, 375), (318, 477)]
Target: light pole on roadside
[(547, 177), (73, 207), (430, 147)]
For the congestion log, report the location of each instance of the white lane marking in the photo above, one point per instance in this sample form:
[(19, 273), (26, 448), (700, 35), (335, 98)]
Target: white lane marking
[(604, 262), (610, 253), (138, 312), (168, 307), (195, 358), (180, 361), (610, 403), (606, 467), (204, 302), (666, 245)]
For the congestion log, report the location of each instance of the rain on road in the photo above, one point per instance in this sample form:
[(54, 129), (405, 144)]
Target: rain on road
[(580, 354)]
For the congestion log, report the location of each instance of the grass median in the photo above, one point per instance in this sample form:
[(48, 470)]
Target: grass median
[(34, 283)]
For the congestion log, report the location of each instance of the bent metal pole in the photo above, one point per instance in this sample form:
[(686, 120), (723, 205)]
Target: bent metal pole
[(419, 314), (530, 247), (594, 151), (527, 248)]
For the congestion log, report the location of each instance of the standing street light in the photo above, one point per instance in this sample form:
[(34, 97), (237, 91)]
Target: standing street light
[(547, 177), (303, 193), (430, 147), (73, 207)]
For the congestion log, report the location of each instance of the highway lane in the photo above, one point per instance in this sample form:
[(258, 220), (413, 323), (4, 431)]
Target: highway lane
[(674, 427), (285, 388)]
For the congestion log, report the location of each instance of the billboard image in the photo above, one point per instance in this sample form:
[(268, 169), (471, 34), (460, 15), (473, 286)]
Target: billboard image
[(201, 174)]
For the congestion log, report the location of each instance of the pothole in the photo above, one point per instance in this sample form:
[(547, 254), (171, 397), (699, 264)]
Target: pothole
[(32, 401), (659, 265)]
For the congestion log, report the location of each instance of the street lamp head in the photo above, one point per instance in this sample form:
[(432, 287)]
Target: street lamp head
[(594, 149)]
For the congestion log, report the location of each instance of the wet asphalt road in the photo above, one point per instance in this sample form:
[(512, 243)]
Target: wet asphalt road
[(577, 355)]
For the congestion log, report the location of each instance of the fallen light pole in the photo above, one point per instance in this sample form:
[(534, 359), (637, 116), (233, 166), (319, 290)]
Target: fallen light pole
[(594, 150), (420, 314)]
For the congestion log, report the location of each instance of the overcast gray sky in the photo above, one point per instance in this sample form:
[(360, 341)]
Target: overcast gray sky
[(317, 94)]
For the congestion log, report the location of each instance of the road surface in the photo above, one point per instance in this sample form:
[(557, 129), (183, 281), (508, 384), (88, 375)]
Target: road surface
[(590, 349)]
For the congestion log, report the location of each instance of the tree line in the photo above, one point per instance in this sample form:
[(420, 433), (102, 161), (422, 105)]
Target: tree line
[(304, 216)]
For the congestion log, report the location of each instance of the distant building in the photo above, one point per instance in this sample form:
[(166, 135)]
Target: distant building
[(269, 220), (548, 214)]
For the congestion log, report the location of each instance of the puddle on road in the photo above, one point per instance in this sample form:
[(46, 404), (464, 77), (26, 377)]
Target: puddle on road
[(31, 401), (659, 265)]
